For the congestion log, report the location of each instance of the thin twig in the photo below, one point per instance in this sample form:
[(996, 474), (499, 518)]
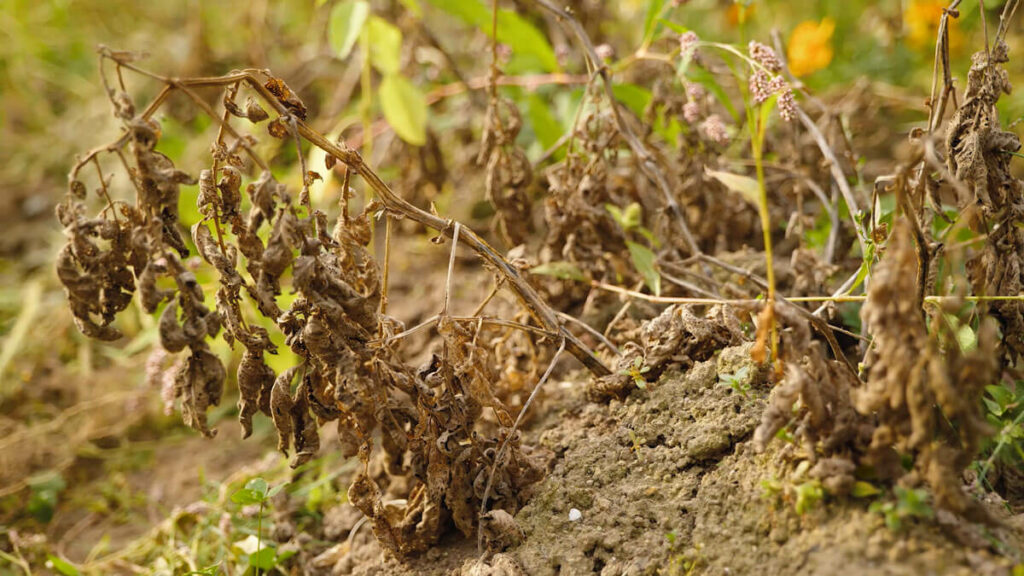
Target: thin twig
[(592, 331)]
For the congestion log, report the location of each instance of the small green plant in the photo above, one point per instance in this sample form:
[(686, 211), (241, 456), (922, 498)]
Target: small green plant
[(1004, 410), (910, 503), (739, 381), (636, 372), (45, 488), (256, 492), (771, 488), (804, 496), (629, 218), (808, 495), (681, 563)]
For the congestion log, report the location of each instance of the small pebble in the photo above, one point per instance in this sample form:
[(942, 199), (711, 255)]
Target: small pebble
[(575, 515)]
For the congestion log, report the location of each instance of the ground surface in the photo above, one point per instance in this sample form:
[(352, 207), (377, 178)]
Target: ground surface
[(667, 482)]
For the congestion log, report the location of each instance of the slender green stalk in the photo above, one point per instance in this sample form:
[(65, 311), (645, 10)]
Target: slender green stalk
[(259, 536), (757, 124)]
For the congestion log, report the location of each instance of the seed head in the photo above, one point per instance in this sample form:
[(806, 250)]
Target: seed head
[(691, 112), (764, 56), (760, 86), (715, 129), (695, 91), (787, 104), (688, 43)]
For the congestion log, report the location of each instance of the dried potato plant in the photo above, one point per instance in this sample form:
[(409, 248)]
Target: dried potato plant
[(439, 457)]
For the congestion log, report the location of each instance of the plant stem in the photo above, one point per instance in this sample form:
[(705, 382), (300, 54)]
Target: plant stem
[(757, 128), (259, 536)]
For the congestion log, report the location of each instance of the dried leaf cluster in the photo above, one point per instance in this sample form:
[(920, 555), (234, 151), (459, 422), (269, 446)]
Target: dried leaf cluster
[(439, 425)]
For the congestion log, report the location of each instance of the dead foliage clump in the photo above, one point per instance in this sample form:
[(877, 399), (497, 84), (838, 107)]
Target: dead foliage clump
[(921, 398), (448, 442), (979, 154), (923, 389), (678, 337)]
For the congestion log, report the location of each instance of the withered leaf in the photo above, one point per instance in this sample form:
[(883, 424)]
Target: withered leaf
[(254, 112), (172, 336), (281, 405), (200, 384), (278, 128), (285, 96), (255, 379)]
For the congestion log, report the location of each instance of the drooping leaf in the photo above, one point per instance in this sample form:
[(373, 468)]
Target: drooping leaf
[(345, 23), (560, 269), (405, 108), (385, 41), (643, 259), (745, 185)]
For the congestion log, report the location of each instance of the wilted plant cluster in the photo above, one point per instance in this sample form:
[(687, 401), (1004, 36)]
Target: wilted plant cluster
[(440, 425)]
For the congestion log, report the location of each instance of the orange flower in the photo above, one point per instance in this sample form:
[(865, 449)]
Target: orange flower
[(810, 46), (921, 24)]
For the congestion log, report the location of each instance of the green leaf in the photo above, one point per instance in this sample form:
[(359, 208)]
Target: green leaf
[(745, 185), (513, 30), (993, 406), (385, 45), (634, 97), (345, 23), (273, 491), (966, 337), (651, 19), (808, 495), (246, 496), (257, 485), (561, 270), (632, 215), (863, 489), (677, 28), (545, 126), (60, 565), (629, 217), (405, 108), (1000, 394), (45, 488), (264, 558), (643, 260), (649, 236)]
